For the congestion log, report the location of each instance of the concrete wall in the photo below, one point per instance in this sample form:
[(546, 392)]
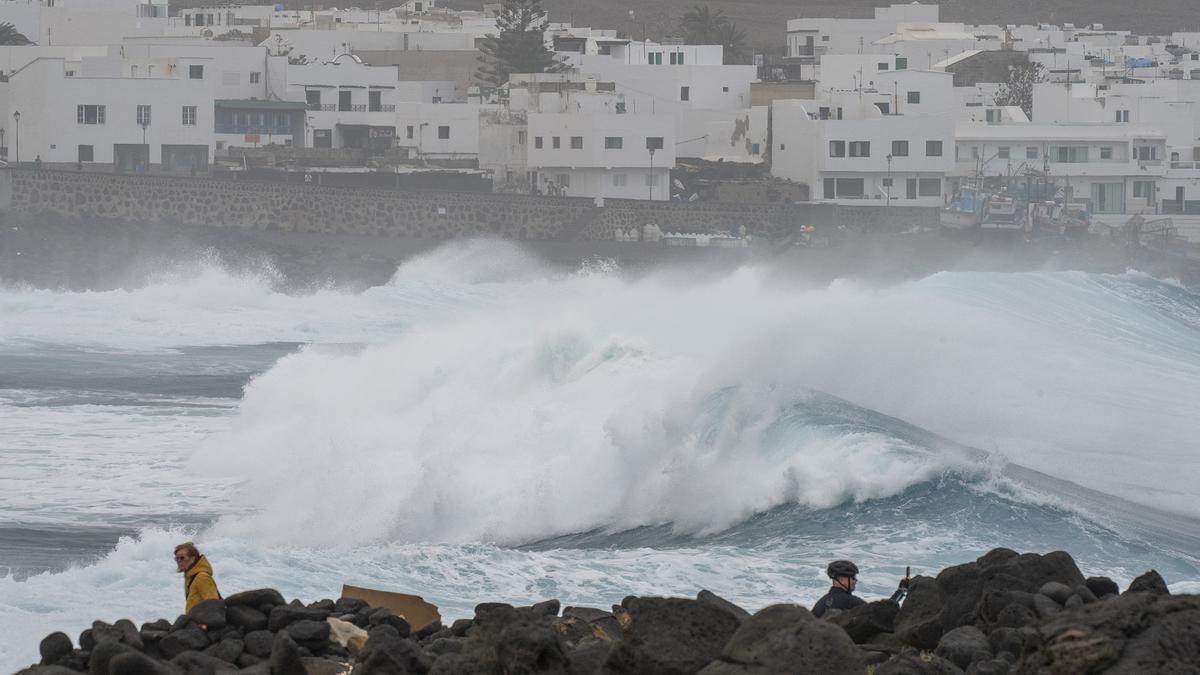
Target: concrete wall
[(325, 209)]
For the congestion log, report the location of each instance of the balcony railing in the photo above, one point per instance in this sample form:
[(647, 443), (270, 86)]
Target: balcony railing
[(322, 107), (252, 129), (1185, 165), (386, 107)]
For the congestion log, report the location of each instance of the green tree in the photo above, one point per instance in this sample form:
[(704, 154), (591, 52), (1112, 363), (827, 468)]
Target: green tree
[(9, 36), (700, 25), (733, 39), (704, 26), (1018, 90), (519, 46)]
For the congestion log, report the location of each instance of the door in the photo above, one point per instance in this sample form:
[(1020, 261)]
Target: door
[(375, 101), (344, 101), (1179, 199), (910, 188)]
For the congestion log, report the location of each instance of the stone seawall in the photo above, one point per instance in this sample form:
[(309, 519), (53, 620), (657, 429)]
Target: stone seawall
[(290, 207)]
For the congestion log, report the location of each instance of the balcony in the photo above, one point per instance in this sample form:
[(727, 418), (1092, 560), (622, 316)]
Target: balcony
[(322, 107), (251, 129)]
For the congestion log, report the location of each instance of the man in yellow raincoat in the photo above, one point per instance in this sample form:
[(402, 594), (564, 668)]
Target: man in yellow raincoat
[(198, 584)]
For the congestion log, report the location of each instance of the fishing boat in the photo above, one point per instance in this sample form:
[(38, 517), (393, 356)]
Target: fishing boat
[(967, 210), (1006, 212)]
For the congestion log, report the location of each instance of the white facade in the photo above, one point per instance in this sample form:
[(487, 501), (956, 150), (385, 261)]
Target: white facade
[(849, 151), (1115, 169), (108, 120), (602, 155)]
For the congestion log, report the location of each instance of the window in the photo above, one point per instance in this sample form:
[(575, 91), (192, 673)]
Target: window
[(618, 180), (563, 179), (1031, 152), (86, 153), (620, 107), (823, 113), (837, 148), (1003, 152), (1108, 197), (196, 72), (685, 93), (187, 19), (1145, 153), (89, 114), (133, 71), (255, 77), (374, 101), (443, 132), (654, 142), (613, 142), (1122, 115), (208, 18), (901, 63), (882, 66), (914, 97), (189, 115), (345, 102), (992, 115), (824, 38), (933, 148), (930, 187), (313, 98), (1144, 189), (860, 148), (556, 142), (537, 142), (408, 131), (884, 107), (724, 90), (887, 182), (143, 115), (655, 58), (900, 148), (755, 149), (1069, 154), (577, 142), (677, 58), (844, 187), (1106, 152), (522, 137)]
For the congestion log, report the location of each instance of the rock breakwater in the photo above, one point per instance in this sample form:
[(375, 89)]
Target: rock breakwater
[(1003, 613)]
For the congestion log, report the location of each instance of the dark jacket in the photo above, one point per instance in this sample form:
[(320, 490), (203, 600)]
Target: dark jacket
[(836, 598)]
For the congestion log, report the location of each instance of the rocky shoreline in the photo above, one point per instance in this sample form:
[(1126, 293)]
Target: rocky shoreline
[(1004, 613)]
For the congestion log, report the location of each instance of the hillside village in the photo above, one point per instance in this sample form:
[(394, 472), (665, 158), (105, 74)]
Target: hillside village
[(899, 109)]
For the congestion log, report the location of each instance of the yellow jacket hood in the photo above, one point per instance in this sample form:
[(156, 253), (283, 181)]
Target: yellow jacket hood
[(198, 584)]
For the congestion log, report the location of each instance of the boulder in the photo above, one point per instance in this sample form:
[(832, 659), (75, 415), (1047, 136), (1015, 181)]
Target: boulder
[(285, 656), (429, 630), (866, 621), (917, 664), (258, 643), (136, 663), (103, 653), (387, 652), (180, 641), (257, 598), (196, 663), (1150, 582), (245, 617), (589, 658), (1045, 607), (284, 615), (227, 650), (319, 666), (1007, 640), (1056, 591), (963, 646), (1015, 616), (671, 636), (783, 639), (105, 632), (308, 632), (384, 616), (1132, 633), (708, 597), (246, 660), (325, 604), (349, 605), (546, 608), (54, 647), (1102, 586), (461, 626), (919, 621), (86, 642), (210, 613), (129, 634), (530, 646)]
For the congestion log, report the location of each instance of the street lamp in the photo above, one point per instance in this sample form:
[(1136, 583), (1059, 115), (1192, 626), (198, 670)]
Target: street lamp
[(651, 180), (17, 120), (889, 181), (5, 148), (145, 148)]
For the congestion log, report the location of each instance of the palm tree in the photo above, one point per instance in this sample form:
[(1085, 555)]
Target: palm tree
[(700, 25), (733, 39), (9, 36)]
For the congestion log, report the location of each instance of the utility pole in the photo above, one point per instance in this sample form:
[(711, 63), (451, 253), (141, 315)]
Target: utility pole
[(652, 179)]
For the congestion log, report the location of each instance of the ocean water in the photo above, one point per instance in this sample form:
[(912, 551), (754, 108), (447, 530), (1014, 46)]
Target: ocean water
[(482, 428)]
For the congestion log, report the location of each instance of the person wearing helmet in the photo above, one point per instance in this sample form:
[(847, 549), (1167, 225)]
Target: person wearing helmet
[(844, 575)]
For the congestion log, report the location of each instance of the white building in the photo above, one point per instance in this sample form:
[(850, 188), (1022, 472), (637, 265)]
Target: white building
[(60, 23), (116, 120), (1113, 168), (887, 145)]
